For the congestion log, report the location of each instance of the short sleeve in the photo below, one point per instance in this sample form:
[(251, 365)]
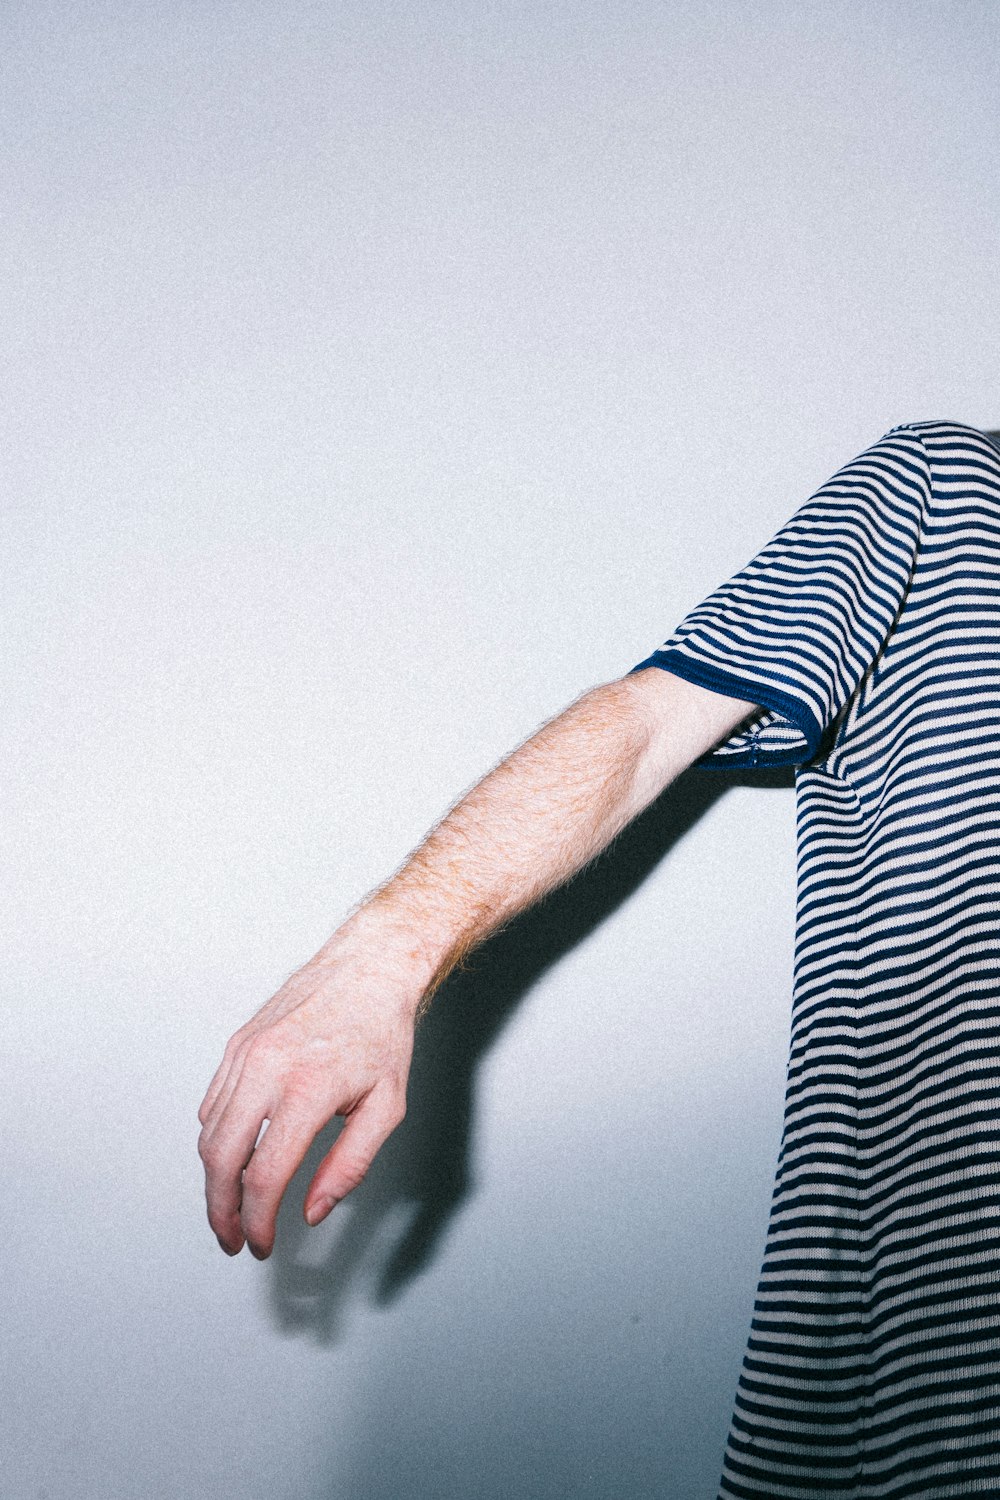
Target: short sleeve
[(799, 627)]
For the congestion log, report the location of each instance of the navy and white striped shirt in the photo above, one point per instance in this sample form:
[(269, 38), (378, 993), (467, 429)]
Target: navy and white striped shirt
[(868, 631)]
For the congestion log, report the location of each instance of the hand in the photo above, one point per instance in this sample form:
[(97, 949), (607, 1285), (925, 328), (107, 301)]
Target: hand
[(331, 1042)]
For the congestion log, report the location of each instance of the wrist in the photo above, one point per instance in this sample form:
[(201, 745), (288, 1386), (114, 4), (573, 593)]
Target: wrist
[(388, 946)]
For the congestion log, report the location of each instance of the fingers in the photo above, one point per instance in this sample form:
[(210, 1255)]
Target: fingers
[(244, 1185), (346, 1164), (268, 1173), (226, 1149)]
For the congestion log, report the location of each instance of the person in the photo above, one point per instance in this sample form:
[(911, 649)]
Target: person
[(862, 646)]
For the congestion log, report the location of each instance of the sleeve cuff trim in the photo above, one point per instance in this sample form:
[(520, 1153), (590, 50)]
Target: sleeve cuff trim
[(731, 685)]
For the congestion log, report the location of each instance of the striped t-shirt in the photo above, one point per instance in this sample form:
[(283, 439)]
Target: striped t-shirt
[(868, 631)]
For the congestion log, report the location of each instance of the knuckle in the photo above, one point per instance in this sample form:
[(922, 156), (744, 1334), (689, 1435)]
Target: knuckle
[(261, 1178), (353, 1173), (302, 1088), (260, 1053), (236, 1042)]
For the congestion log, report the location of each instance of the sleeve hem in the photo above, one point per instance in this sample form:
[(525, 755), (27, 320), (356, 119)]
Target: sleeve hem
[(719, 680)]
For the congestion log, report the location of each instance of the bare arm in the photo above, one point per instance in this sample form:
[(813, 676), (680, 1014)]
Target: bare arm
[(337, 1038)]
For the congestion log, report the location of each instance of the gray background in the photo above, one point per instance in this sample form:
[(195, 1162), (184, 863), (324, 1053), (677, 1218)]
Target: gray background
[(376, 379)]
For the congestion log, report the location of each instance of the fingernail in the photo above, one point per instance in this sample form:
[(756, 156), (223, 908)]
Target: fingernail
[(320, 1209)]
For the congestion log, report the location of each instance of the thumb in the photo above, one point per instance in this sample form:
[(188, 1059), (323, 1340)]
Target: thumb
[(346, 1164)]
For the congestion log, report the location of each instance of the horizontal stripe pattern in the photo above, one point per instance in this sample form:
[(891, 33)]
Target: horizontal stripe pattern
[(868, 631)]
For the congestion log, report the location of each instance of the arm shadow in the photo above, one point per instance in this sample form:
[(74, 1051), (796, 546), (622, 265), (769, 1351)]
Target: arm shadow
[(390, 1229)]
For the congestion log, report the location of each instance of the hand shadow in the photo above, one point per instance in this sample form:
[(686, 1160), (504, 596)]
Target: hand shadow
[(389, 1229)]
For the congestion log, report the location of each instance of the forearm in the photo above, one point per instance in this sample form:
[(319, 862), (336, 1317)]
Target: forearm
[(528, 826)]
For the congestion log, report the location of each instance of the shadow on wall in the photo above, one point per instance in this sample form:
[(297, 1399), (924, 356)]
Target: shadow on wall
[(390, 1229)]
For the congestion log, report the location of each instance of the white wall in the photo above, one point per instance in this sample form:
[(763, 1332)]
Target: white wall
[(377, 379)]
